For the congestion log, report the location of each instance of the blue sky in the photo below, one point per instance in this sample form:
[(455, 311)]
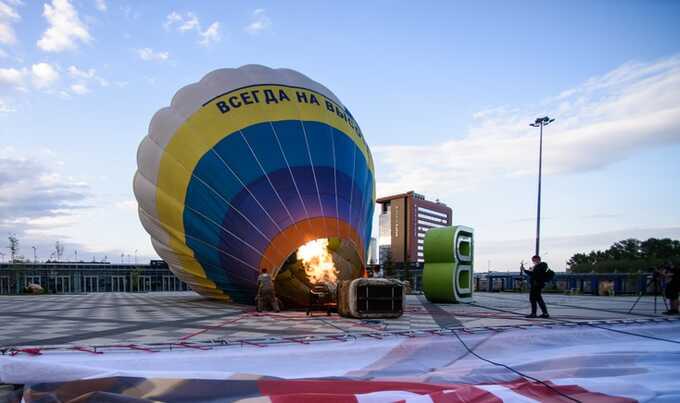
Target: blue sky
[(457, 83)]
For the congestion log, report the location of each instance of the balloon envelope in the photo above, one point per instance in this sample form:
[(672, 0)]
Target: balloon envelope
[(244, 167)]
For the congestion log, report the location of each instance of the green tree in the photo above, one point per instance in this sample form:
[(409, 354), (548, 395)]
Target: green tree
[(13, 247), (627, 256)]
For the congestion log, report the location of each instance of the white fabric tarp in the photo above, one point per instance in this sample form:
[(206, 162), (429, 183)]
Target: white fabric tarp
[(613, 363)]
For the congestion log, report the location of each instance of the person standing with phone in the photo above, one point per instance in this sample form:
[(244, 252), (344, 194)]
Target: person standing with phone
[(537, 278)]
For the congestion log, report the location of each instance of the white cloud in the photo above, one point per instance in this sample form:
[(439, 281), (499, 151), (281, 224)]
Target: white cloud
[(210, 35), (41, 205), (172, 19), (259, 22), (79, 89), (182, 23), (149, 54), (604, 120), (65, 27), (86, 75), (7, 11), (12, 77), (33, 193), (101, 5), (43, 75), (127, 205), (75, 72), (8, 17), (5, 106), (190, 22)]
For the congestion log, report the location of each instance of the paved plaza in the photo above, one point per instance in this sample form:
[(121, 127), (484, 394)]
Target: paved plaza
[(103, 319)]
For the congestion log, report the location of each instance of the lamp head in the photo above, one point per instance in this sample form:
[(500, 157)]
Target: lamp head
[(544, 121)]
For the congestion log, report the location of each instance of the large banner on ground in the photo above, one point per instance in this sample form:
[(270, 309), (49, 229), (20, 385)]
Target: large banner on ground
[(598, 363)]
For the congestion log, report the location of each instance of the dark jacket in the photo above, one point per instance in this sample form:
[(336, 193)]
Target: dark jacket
[(537, 278)]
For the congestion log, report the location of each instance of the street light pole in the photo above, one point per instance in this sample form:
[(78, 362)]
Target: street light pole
[(540, 122)]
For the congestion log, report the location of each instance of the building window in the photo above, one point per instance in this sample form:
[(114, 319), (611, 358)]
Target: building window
[(32, 280), (433, 212), (385, 229), (90, 284), (430, 224), (435, 219)]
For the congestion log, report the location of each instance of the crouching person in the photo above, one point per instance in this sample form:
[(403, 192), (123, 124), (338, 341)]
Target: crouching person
[(266, 295)]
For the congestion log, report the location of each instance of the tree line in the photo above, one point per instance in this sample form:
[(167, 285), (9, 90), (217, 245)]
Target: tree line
[(627, 256), (13, 246)]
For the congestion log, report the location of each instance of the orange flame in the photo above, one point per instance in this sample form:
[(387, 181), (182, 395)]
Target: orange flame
[(318, 262)]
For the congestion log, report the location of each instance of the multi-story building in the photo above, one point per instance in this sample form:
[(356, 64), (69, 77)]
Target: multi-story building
[(372, 257), (83, 277), (403, 221)]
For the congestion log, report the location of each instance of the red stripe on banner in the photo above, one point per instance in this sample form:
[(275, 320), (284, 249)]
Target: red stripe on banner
[(464, 393), (340, 391), (313, 398), (540, 392), (282, 387)]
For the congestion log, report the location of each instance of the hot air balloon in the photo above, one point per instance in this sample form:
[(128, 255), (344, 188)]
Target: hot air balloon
[(245, 167)]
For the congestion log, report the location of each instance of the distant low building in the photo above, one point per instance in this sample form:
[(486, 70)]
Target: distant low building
[(570, 283), (84, 277), (403, 221)]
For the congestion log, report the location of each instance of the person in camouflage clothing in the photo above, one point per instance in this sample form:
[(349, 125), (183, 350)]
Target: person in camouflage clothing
[(266, 295)]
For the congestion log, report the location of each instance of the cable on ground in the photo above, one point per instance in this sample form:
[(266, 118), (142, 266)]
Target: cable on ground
[(498, 364)]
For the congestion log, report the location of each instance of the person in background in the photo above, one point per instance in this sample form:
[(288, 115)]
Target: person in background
[(672, 288), (537, 275), (266, 295), (377, 273)]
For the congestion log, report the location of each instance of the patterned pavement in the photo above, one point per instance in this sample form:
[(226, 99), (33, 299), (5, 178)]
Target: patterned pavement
[(130, 318)]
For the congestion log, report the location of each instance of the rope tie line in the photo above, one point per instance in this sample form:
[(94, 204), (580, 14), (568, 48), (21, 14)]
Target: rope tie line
[(343, 338), (380, 335), (375, 336), (622, 321), (299, 340), (498, 364), (29, 351), (92, 350), (252, 344), (230, 321), (188, 345), (134, 347)]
